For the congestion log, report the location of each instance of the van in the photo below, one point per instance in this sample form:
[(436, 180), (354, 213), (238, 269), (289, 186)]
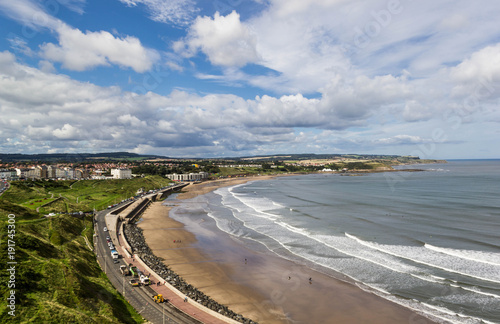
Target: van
[(114, 254)]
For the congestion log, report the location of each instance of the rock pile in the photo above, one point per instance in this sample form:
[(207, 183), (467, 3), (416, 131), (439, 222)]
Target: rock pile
[(135, 238)]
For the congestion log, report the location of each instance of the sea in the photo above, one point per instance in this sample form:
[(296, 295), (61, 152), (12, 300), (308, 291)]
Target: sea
[(428, 240)]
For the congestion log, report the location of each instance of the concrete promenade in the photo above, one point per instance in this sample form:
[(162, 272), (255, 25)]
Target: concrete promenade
[(198, 312)]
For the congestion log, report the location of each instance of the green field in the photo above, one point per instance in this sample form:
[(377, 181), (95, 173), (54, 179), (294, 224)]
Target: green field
[(75, 196), (57, 278)]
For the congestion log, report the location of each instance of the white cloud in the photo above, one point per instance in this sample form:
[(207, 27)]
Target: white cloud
[(130, 120), (402, 139), (416, 111), (40, 109), (77, 50), (289, 7), (29, 13), (20, 45), (351, 111), (308, 43), (82, 51), (178, 12), (67, 132), (46, 66), (74, 5), (224, 39), (7, 59), (483, 65), (353, 102)]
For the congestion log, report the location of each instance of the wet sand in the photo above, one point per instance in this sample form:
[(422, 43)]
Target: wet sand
[(249, 279)]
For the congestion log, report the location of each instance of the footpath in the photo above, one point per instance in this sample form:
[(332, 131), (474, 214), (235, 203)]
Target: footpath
[(173, 296), (170, 293)]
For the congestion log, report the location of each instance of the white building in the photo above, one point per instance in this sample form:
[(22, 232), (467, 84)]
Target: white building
[(188, 177), (51, 171), (65, 173), (121, 173), (8, 174), (26, 173)]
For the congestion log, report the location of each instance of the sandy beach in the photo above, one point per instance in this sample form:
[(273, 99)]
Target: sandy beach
[(252, 281)]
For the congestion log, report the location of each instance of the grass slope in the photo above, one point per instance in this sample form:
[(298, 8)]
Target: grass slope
[(75, 196), (57, 278)]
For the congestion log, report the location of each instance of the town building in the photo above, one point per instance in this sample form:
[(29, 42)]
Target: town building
[(82, 173), (51, 172), (26, 173), (121, 173), (188, 176), (41, 172), (8, 174), (65, 173)]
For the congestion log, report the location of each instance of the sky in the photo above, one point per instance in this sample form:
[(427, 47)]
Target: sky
[(225, 78)]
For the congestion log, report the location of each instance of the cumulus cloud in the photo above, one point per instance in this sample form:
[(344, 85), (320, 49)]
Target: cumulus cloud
[(77, 50), (416, 111), (352, 102), (223, 39), (67, 132), (306, 53), (41, 110), (46, 66), (482, 65), (82, 51)]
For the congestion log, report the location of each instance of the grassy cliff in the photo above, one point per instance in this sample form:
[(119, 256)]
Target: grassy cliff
[(57, 279)]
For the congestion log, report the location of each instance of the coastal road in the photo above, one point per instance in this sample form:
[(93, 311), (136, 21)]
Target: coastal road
[(3, 186), (138, 297)]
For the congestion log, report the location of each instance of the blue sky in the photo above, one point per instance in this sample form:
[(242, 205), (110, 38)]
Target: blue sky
[(232, 78)]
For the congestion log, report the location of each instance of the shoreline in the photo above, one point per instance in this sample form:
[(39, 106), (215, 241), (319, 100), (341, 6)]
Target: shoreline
[(259, 285)]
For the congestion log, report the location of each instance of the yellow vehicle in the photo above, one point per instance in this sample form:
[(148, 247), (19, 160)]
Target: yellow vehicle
[(158, 298)]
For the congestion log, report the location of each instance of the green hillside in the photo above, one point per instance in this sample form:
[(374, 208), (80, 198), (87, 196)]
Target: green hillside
[(57, 279)]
